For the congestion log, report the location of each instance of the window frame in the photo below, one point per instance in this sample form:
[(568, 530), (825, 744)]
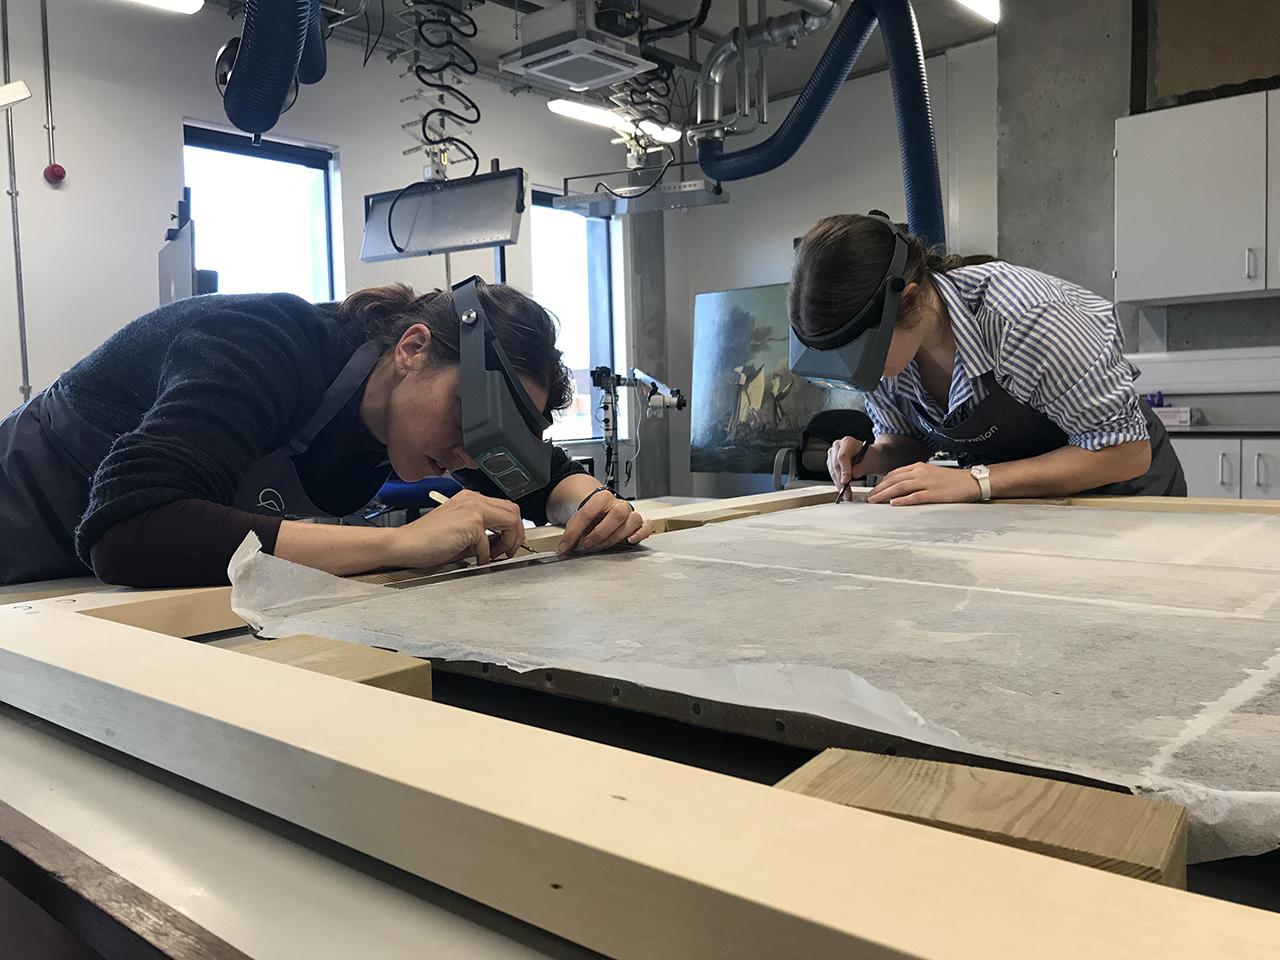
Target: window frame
[(600, 301), (311, 157)]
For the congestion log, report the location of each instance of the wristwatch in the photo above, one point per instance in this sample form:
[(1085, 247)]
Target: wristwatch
[(982, 473)]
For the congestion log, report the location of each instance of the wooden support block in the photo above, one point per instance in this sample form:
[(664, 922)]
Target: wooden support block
[(1132, 836), (349, 661)]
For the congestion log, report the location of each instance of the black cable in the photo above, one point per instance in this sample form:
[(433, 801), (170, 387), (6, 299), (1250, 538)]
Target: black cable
[(675, 29), (391, 235), (452, 23), (636, 196), (382, 24)]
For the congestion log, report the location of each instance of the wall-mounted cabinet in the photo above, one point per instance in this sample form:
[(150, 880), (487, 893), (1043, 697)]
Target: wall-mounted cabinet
[(1273, 190), (1192, 186)]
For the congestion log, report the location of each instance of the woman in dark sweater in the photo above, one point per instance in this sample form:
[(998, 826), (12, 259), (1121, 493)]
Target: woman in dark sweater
[(151, 459)]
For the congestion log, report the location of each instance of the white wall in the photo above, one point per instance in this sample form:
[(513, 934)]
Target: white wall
[(851, 163), (124, 80)]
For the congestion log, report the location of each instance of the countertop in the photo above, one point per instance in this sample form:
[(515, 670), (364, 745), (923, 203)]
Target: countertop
[(1216, 430)]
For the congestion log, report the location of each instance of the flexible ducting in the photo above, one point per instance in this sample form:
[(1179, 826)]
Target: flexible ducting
[(916, 142), (271, 43)]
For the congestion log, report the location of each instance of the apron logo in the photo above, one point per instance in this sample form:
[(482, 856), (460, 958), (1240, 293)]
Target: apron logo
[(270, 499)]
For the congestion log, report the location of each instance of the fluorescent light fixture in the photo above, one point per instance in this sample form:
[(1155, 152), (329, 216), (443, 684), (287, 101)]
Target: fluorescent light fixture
[(12, 93), (660, 133), (600, 117), (171, 6), (587, 113), (988, 9)]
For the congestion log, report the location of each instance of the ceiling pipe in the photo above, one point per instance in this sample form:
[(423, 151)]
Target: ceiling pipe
[(773, 32)]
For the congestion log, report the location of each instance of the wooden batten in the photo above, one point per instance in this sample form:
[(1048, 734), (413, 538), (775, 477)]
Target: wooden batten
[(384, 669)]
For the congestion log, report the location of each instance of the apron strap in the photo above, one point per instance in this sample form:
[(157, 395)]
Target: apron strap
[(348, 380)]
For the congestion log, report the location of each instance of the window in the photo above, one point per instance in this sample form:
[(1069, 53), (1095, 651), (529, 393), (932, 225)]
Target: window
[(261, 214), (571, 279)]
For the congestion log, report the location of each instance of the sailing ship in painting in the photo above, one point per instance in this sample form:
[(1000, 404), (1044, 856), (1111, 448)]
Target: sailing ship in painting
[(759, 403), (745, 402)]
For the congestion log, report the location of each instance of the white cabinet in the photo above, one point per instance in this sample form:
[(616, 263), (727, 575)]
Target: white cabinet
[(1260, 469), (1211, 465), (1273, 190), (1191, 201)]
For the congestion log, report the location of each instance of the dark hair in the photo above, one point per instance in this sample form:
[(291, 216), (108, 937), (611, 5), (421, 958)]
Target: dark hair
[(526, 331), (841, 262)]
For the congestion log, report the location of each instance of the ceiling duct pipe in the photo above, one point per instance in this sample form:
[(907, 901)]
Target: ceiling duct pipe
[(812, 18)]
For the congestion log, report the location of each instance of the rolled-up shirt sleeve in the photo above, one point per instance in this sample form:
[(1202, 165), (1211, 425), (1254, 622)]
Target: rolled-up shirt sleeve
[(1068, 363), (886, 416)]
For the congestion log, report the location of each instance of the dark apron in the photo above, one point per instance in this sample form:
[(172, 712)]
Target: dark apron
[(49, 454), (1001, 428)]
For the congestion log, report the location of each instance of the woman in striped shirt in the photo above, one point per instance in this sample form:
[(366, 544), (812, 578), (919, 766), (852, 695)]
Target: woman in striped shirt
[(1018, 375)]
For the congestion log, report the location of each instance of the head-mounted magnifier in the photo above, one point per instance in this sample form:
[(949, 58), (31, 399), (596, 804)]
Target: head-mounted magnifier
[(501, 428), (853, 355)]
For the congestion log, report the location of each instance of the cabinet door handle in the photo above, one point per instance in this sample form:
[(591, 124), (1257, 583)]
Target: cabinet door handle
[(1250, 266), (1257, 469), (1222, 468)]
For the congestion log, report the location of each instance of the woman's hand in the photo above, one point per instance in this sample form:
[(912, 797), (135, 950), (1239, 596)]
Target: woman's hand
[(926, 483), (846, 461), (458, 529), (602, 522)]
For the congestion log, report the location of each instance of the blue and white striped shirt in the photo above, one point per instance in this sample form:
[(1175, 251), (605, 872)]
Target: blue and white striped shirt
[(1052, 345)]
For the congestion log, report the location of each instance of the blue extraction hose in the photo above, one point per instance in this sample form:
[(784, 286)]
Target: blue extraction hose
[(271, 43), (314, 62), (916, 142)]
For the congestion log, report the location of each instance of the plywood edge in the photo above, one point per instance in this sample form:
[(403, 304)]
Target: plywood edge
[(626, 854), (1134, 836)]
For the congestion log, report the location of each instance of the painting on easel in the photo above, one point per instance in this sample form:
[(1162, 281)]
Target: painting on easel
[(745, 404)]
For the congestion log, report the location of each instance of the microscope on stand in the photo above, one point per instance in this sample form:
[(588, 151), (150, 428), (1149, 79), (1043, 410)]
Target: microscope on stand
[(655, 398)]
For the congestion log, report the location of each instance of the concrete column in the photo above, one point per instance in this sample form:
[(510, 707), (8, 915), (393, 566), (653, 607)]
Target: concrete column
[(1063, 80), (647, 298)]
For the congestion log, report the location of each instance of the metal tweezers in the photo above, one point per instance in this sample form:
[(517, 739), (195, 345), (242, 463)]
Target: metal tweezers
[(857, 458)]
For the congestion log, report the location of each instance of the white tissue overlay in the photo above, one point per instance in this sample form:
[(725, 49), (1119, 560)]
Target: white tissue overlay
[(668, 618)]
